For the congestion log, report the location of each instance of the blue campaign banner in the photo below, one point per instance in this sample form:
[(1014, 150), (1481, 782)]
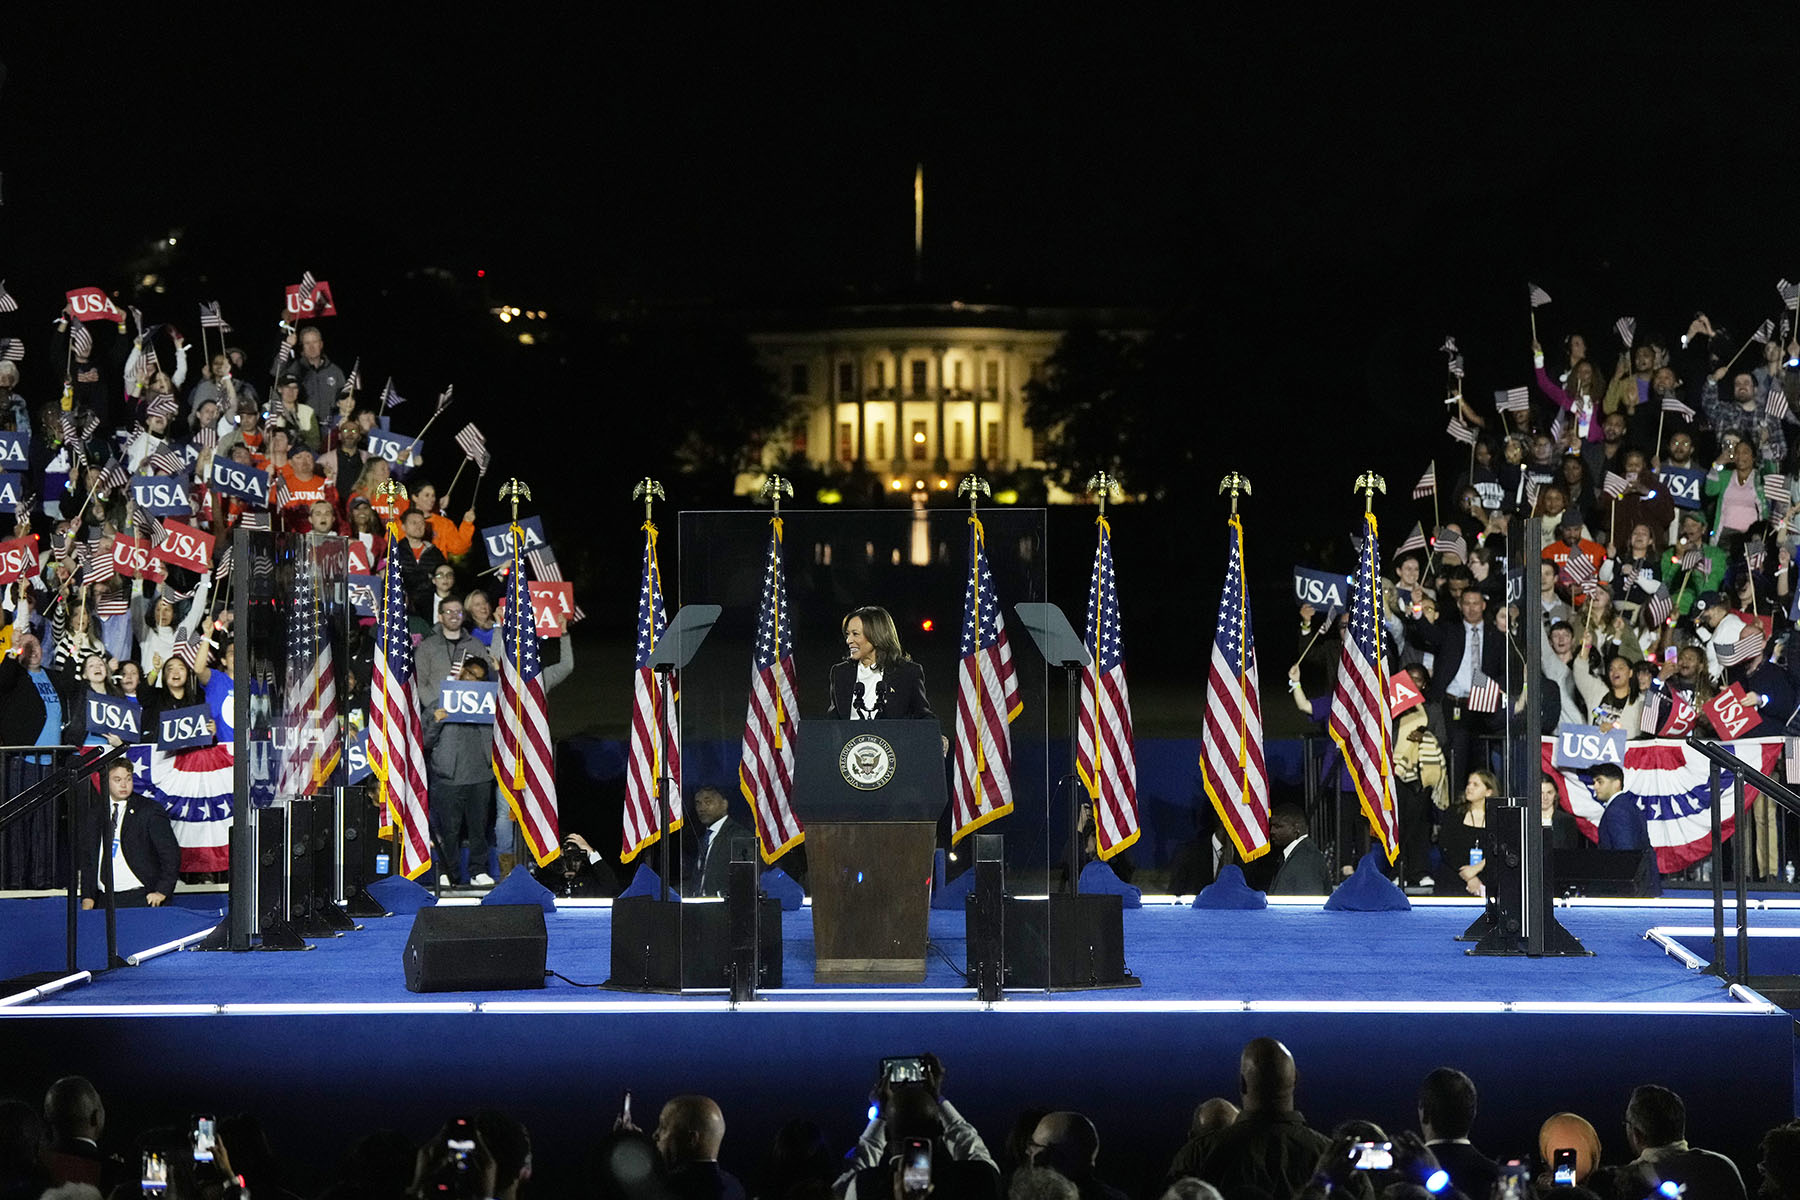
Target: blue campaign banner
[(393, 447), (118, 715), (363, 590), (356, 756), (499, 545), (1325, 591), (1584, 746), (12, 489), (185, 728), (469, 703), (139, 757), (1684, 485), (15, 451), (244, 482), (161, 495)]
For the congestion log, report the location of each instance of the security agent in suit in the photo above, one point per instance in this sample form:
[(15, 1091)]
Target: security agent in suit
[(877, 680), (133, 832), (1446, 1114), (710, 834), (1453, 674), (1303, 871)]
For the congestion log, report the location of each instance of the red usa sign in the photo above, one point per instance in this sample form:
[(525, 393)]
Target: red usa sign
[(319, 304), (551, 604), (184, 546), (18, 557), (92, 304), (131, 558), (1731, 717), (1402, 695), (360, 562)]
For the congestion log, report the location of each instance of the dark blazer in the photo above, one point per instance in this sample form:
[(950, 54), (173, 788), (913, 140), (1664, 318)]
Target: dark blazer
[(1303, 873), (1471, 1172), (1706, 1174), (703, 1181), (708, 878), (1446, 638), (145, 837), (22, 709), (902, 688)]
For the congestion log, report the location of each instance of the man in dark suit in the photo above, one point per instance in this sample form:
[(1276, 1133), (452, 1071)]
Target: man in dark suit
[(688, 1135), (1466, 652), (133, 833), (710, 834), (1303, 871), (1656, 1127), (77, 1122), (1446, 1114)]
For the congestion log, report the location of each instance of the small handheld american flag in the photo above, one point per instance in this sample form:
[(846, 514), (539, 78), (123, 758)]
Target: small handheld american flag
[(1456, 365), (210, 318), (1615, 485), (1461, 431), (1764, 332), (1627, 330), (1449, 541), (389, 397), (1414, 540), (7, 303), (470, 441), (1674, 404), (1777, 404), (1513, 400), (1539, 297), (12, 350), (1484, 694), (1790, 294), (1776, 490), (1427, 485)]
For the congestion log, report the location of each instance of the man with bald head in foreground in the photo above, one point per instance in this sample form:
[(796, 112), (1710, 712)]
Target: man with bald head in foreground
[(1268, 1151), (688, 1135)]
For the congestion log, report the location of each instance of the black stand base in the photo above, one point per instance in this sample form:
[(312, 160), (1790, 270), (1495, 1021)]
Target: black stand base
[(359, 903), (281, 935), (334, 916), (1558, 943), (220, 937)]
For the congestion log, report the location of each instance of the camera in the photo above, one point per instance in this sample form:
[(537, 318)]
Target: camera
[(154, 1173), (903, 1070), (203, 1138), (1372, 1156), (1563, 1168), (915, 1167)]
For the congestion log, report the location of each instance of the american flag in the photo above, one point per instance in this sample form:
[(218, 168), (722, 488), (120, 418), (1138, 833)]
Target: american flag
[(389, 397), (307, 284), (1456, 365), (148, 525), (1449, 346), (1790, 294), (1533, 485), (1755, 555), (1231, 743), (766, 766), (1777, 404), (1627, 328), (1513, 400), (1105, 755), (649, 720), (222, 568), (311, 696), (470, 441), (1747, 649), (113, 476), (255, 520), (110, 603), (167, 461), (1484, 694), (279, 493), (1775, 489), (1539, 297), (1427, 485), (1764, 332), (80, 340), (1359, 708), (1657, 610), (353, 381), (188, 645), (206, 439), (210, 318), (1673, 404), (1449, 541), (396, 737), (444, 398), (12, 350), (544, 567), (987, 701), (1559, 423), (1414, 540), (1693, 558), (7, 303), (162, 405), (1615, 485), (524, 759), (99, 564), (1580, 574), (1461, 431)]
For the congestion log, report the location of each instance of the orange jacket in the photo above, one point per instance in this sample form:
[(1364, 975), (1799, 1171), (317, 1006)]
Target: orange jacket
[(452, 541)]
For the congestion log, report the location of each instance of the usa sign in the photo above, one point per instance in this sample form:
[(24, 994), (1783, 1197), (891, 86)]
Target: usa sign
[(184, 546)]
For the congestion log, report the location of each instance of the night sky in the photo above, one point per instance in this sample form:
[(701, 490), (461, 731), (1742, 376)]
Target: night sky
[(1324, 195)]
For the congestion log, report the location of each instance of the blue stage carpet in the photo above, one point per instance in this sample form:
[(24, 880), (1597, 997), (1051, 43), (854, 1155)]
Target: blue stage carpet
[(1280, 953), (36, 937)]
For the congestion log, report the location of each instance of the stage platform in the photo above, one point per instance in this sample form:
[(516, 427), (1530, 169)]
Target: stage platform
[(1369, 1002)]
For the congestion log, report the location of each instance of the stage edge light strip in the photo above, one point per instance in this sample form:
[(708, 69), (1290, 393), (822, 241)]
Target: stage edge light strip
[(1697, 1008), (45, 989), (1675, 949), (144, 956), (372, 1008), (113, 1010), (1375, 1006), (605, 1006), (1706, 931)]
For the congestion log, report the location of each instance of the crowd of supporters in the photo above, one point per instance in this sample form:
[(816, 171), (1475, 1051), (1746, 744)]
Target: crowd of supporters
[(1253, 1145), (1663, 574), (82, 619)]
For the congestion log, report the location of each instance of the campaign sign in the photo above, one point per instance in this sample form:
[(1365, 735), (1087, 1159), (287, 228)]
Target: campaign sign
[(185, 728), (499, 545), (1679, 715), (356, 755), (545, 611), (15, 450), (362, 560), (161, 495), (1683, 484), (391, 448), (1731, 717), (118, 715), (469, 703), (92, 304), (18, 557), (238, 479), (1584, 746), (1402, 695), (363, 590), (319, 304), (131, 558), (12, 490), (184, 546), (1323, 590)]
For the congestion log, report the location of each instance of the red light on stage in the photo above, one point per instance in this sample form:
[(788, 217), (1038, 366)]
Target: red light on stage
[(480, 274), (926, 624)]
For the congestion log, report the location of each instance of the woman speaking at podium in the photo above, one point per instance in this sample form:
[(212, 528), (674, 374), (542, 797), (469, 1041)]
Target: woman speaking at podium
[(877, 680)]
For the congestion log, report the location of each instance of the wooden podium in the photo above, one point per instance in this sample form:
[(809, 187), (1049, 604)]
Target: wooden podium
[(870, 794)]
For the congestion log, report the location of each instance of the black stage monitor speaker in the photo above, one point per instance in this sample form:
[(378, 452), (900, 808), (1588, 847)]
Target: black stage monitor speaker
[(1085, 940), (478, 948), (1590, 872), (665, 945)]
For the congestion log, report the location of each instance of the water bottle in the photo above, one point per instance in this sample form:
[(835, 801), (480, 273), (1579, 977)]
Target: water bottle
[(1787, 872), (1475, 857)]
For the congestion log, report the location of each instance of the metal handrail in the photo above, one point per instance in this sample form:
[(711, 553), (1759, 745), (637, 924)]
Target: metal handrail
[(1722, 758)]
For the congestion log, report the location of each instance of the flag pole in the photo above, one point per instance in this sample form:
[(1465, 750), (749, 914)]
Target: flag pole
[(1435, 521), (1740, 353), (773, 489), (454, 478), (515, 491)]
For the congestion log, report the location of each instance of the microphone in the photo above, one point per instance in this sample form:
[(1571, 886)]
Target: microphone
[(881, 695), (859, 697)]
